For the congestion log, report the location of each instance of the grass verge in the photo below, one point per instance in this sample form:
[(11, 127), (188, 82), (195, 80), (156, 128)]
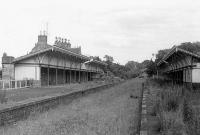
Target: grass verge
[(111, 111)]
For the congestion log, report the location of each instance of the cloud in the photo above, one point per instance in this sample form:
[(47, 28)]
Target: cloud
[(125, 29)]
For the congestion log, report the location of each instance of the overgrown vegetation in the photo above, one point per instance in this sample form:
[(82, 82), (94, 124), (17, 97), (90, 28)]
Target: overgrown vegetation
[(11, 97), (107, 112), (173, 106), (131, 69)]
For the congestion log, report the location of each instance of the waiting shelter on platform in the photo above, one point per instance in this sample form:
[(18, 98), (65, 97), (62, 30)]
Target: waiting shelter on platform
[(180, 66)]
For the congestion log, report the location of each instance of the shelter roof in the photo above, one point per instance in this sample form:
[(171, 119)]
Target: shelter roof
[(176, 49), (51, 48), (58, 49)]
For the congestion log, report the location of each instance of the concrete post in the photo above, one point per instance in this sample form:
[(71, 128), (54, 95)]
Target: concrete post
[(48, 76), (83, 76), (56, 76), (64, 76), (75, 76), (15, 84), (3, 84), (25, 83), (91, 76), (79, 80), (20, 84), (9, 84), (86, 76), (70, 76)]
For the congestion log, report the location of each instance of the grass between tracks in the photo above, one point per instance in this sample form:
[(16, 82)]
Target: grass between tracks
[(111, 111)]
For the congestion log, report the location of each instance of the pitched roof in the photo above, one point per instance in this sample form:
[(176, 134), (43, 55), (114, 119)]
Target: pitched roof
[(56, 48), (30, 55), (174, 50)]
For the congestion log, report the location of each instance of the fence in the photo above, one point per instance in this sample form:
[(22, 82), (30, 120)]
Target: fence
[(15, 84)]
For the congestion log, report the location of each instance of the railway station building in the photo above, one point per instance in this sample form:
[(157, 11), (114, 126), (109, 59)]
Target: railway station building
[(181, 66), (52, 64)]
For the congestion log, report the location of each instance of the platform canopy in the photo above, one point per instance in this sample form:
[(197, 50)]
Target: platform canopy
[(52, 48), (180, 65), (176, 50)]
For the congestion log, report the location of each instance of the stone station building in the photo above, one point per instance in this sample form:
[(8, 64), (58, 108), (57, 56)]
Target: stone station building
[(52, 64)]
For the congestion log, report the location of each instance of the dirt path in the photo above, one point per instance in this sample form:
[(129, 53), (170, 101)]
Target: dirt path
[(109, 112)]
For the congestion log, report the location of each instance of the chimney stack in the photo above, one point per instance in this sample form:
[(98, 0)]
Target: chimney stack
[(42, 38), (41, 43)]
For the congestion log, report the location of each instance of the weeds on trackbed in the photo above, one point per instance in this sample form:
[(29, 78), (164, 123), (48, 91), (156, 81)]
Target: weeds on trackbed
[(173, 104)]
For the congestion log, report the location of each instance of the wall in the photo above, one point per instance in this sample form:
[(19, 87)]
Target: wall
[(7, 67), (187, 75), (24, 71), (196, 75), (7, 71)]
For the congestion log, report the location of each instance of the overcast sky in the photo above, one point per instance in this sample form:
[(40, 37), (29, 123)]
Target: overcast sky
[(125, 29)]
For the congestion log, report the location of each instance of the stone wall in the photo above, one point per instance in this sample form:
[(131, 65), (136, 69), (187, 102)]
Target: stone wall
[(7, 67)]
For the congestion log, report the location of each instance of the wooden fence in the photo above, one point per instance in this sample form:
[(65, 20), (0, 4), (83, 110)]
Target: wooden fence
[(15, 84)]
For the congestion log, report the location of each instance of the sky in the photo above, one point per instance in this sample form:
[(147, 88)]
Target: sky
[(125, 29)]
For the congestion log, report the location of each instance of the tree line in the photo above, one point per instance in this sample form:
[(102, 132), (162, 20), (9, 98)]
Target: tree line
[(130, 70)]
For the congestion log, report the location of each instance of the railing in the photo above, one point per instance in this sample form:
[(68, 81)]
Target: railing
[(15, 84)]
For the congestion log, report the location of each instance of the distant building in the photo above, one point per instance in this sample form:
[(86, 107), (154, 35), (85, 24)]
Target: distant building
[(52, 64)]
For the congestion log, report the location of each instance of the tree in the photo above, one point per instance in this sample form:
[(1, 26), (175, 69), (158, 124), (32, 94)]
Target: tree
[(95, 58), (151, 68), (145, 63), (132, 65), (109, 58), (191, 47), (161, 54)]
